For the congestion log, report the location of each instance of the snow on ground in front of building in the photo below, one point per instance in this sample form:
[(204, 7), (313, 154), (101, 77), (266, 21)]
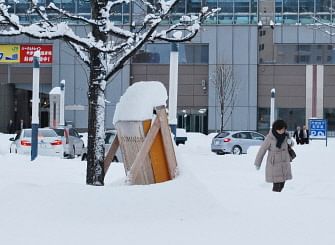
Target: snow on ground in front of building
[(214, 200)]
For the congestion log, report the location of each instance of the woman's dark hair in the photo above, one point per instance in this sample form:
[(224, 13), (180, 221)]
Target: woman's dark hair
[(279, 124)]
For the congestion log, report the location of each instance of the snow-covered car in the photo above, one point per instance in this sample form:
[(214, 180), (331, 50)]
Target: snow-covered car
[(235, 142), (49, 143), (109, 138), (72, 142)]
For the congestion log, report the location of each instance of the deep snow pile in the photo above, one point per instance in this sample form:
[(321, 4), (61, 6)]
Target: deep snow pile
[(214, 200)]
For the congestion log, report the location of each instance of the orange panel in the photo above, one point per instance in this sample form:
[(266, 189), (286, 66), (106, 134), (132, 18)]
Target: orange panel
[(157, 155)]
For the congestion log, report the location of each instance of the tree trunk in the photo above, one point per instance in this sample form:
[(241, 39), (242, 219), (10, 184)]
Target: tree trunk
[(222, 109), (96, 105), (96, 132)]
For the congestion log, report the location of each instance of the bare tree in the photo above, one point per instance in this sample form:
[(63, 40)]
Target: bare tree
[(105, 50), (226, 91)]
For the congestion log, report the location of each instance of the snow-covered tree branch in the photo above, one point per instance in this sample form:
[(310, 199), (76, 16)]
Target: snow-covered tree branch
[(105, 50)]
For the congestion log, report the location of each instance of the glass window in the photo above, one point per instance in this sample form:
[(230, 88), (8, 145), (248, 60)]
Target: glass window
[(21, 6), (279, 6), (210, 3), (290, 10), (263, 122), (329, 114), (193, 6), (306, 6), (56, 2), (242, 6), (69, 5), (253, 7), (226, 13), (84, 7), (290, 6), (322, 6), (11, 4), (179, 7), (292, 116), (193, 54), (153, 53), (227, 6), (324, 17), (160, 54)]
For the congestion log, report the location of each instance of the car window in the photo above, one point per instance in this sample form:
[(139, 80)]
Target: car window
[(237, 135), (73, 132), (246, 135), (257, 136), (109, 137), (242, 135), (59, 131), (222, 135), (46, 133), (41, 133)]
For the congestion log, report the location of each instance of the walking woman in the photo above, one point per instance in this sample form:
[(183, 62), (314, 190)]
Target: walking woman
[(278, 167)]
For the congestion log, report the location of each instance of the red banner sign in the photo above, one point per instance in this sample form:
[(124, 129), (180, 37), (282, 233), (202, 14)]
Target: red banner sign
[(27, 53)]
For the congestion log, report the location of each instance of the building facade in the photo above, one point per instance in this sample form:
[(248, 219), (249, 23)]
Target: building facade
[(269, 44)]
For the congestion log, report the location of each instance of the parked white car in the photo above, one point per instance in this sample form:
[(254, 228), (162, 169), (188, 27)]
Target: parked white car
[(72, 142), (49, 143)]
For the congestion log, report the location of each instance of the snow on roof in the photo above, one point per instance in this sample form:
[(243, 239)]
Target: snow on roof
[(137, 103)]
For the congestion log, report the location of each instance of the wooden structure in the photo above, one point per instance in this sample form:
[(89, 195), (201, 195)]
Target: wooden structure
[(147, 149)]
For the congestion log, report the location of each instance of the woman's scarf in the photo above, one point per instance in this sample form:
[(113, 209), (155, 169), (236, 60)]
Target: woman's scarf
[(280, 138)]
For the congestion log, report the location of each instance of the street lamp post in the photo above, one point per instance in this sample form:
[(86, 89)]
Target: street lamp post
[(35, 105), (272, 108), (173, 88), (62, 103)]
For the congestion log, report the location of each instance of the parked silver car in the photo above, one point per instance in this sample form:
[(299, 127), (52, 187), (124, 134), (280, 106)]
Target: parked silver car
[(109, 138), (72, 142), (235, 142), (49, 143)]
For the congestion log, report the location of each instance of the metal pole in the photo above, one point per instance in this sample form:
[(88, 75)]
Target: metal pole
[(62, 103), (272, 109), (35, 105), (173, 88)]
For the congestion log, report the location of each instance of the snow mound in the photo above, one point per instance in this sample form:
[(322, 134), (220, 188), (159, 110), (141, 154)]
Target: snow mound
[(137, 103)]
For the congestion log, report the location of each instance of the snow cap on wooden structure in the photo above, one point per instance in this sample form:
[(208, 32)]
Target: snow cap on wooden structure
[(137, 103)]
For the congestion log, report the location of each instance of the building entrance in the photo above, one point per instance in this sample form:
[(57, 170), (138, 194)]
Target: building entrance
[(193, 120)]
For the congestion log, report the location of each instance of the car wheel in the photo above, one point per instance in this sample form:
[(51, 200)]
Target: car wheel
[(84, 157), (237, 150), (73, 155), (79, 154)]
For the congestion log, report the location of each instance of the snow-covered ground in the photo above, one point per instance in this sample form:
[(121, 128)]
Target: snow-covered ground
[(214, 200)]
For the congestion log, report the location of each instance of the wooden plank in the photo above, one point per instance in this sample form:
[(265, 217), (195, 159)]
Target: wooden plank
[(131, 137), (158, 159), (167, 140), (111, 153), (144, 150)]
